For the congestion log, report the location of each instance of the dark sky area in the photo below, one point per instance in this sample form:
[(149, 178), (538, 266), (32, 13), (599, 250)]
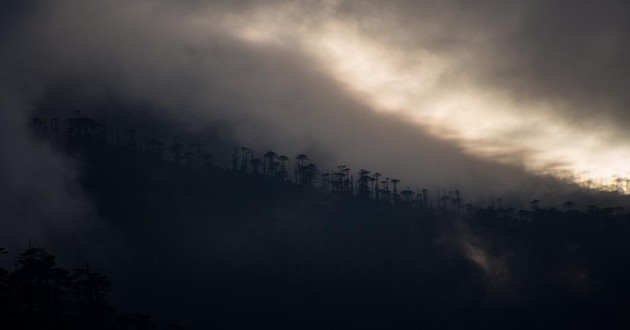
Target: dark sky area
[(512, 99)]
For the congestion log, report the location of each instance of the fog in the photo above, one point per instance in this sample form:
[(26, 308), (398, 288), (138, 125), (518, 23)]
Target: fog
[(500, 99)]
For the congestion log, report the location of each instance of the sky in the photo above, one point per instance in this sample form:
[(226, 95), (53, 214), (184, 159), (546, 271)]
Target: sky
[(498, 98)]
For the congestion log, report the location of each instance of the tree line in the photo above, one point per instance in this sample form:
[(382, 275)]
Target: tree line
[(87, 133)]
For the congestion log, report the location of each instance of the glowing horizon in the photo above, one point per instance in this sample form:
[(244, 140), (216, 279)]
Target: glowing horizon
[(483, 122)]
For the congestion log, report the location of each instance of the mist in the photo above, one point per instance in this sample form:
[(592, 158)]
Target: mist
[(500, 99), (261, 75), (189, 63)]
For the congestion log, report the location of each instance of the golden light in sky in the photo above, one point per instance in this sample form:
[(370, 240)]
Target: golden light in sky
[(427, 89)]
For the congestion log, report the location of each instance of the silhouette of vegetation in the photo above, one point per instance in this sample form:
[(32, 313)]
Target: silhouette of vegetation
[(38, 294), (336, 248)]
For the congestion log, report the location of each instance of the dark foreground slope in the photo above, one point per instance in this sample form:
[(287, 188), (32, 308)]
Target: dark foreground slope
[(210, 247), (205, 247)]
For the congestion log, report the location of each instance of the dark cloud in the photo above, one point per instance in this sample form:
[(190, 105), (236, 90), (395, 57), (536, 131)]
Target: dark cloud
[(572, 53)]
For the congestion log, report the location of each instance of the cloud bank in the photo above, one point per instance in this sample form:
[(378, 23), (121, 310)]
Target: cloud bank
[(482, 97)]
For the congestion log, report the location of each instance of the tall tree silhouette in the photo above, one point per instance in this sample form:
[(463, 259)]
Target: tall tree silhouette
[(363, 183), (407, 195), (300, 168), (385, 192), (395, 190), (283, 167), (377, 176), (269, 159)]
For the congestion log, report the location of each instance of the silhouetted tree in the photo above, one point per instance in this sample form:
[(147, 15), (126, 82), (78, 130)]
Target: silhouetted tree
[(283, 168), (395, 190), (445, 201), (385, 192), (326, 181), (363, 183), (300, 168), (457, 200), (372, 180), (377, 175), (407, 195), (269, 159), (39, 294)]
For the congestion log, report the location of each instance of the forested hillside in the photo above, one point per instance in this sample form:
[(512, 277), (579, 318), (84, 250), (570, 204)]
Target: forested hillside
[(276, 242)]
